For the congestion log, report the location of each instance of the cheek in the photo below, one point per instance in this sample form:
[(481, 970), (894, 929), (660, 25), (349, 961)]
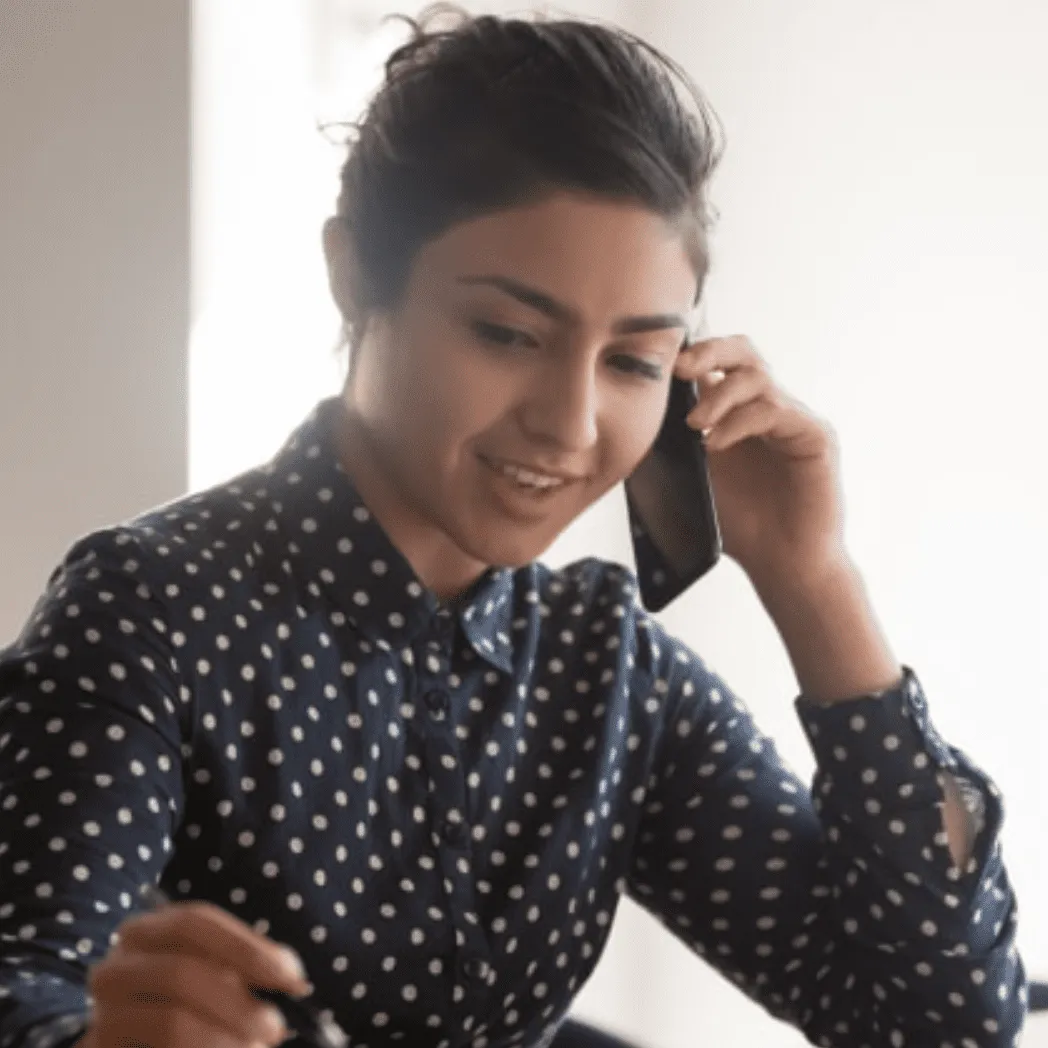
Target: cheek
[(390, 393), (633, 431), (445, 392)]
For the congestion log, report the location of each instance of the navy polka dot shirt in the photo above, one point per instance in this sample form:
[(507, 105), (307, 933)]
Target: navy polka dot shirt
[(247, 697)]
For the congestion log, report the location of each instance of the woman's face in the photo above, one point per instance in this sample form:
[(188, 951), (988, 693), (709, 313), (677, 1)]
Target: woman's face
[(525, 370)]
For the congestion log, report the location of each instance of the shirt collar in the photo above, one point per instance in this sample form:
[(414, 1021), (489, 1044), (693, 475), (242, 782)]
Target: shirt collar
[(341, 549)]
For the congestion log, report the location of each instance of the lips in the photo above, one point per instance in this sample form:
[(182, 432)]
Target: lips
[(530, 478)]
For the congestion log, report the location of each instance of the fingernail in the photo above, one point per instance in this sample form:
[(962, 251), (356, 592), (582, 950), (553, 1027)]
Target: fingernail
[(274, 1021), (292, 963)]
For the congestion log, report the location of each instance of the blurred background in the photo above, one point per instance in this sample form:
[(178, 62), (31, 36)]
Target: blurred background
[(165, 321)]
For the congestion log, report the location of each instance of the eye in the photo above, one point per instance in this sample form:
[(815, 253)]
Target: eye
[(498, 335), (637, 366)]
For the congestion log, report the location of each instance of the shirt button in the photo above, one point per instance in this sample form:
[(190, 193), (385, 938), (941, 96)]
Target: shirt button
[(454, 833), (436, 701), (475, 968)]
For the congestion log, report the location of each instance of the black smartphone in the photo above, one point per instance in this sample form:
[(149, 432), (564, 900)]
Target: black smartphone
[(673, 520)]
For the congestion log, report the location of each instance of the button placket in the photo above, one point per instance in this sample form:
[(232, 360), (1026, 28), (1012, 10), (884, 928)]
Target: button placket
[(448, 805)]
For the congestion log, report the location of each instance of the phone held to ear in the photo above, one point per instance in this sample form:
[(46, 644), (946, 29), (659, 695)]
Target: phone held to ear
[(673, 521)]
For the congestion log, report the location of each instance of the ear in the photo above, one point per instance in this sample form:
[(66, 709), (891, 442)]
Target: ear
[(342, 269)]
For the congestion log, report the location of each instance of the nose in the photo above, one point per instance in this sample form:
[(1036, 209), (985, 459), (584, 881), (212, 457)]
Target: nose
[(562, 409)]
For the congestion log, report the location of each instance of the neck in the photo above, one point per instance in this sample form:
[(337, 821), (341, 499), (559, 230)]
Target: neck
[(438, 563)]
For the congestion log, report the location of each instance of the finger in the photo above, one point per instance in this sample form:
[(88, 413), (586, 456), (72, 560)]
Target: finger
[(724, 354), (166, 982), (208, 931), (753, 419), (736, 388), (710, 380), (142, 1026)]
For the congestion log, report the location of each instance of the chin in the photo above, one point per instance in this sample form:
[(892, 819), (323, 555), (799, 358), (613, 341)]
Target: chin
[(509, 548), (507, 553)]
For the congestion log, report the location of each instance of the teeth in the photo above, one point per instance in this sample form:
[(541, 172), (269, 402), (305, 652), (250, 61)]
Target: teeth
[(527, 478)]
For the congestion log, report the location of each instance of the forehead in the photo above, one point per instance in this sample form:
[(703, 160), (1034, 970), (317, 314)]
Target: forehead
[(603, 257)]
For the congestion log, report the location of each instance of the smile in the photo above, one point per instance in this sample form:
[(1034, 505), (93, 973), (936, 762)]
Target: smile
[(526, 478)]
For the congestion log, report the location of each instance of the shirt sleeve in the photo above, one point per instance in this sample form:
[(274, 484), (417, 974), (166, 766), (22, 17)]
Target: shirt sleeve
[(90, 781), (839, 910)]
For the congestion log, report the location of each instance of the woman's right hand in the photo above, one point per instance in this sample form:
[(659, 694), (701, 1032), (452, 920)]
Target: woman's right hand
[(178, 977)]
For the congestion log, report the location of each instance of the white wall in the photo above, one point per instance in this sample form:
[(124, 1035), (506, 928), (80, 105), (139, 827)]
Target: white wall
[(94, 260), (883, 240)]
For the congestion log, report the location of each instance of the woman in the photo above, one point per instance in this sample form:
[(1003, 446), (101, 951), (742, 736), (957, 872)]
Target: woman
[(337, 703)]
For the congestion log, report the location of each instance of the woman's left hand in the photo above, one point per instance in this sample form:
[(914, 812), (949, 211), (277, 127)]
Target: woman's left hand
[(773, 464)]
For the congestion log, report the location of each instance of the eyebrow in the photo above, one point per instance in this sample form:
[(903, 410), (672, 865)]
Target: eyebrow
[(564, 313)]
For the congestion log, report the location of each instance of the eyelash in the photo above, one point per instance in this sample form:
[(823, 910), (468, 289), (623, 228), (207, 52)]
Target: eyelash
[(644, 368), (508, 338), (497, 335)]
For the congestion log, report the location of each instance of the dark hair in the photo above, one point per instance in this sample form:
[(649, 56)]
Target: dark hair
[(489, 112)]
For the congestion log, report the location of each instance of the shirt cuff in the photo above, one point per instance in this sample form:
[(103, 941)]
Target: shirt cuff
[(881, 744)]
